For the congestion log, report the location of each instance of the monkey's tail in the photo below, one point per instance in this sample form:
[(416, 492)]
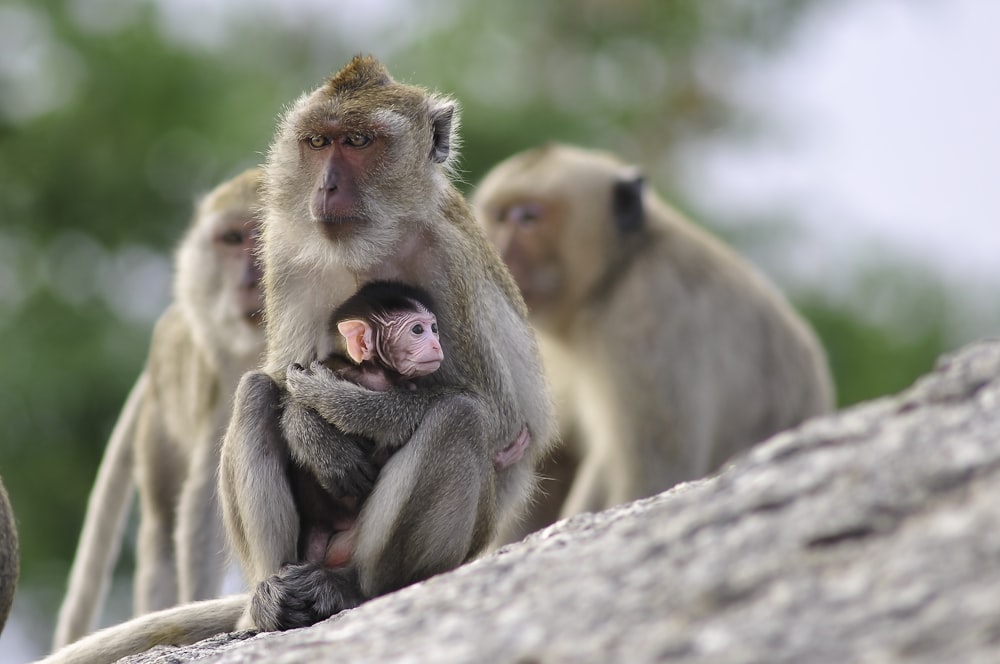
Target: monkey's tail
[(101, 537), (177, 626)]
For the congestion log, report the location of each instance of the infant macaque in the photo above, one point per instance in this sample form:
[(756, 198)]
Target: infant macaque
[(391, 336)]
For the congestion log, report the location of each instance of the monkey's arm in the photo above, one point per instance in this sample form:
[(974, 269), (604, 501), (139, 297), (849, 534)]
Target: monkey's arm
[(388, 418), (257, 505), (341, 463)]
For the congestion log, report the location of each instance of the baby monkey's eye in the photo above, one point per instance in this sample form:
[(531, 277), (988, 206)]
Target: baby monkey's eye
[(417, 329)]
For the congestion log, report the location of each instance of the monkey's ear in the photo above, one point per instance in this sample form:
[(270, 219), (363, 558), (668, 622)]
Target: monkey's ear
[(626, 202), (358, 335), (444, 127)]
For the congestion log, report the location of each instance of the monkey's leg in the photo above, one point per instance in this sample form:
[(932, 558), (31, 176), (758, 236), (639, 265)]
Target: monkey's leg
[(260, 514), (591, 490), (342, 464), (434, 505), (159, 472), (199, 537)]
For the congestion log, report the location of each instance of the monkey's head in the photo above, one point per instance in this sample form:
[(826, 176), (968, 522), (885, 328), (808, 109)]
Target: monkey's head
[(562, 218), (219, 278), (359, 159), (392, 324)]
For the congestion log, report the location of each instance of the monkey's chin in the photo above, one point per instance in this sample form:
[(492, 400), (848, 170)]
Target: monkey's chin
[(338, 227), (421, 369)]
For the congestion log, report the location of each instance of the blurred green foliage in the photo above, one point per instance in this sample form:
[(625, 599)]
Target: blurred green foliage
[(113, 119)]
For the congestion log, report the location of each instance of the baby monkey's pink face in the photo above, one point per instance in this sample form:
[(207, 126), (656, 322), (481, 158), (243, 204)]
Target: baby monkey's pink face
[(413, 345)]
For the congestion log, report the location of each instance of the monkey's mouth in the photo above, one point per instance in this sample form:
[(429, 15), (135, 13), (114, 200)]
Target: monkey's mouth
[(336, 226), (254, 316)]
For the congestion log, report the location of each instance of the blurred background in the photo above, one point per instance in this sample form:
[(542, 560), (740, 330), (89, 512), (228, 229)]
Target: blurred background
[(849, 147)]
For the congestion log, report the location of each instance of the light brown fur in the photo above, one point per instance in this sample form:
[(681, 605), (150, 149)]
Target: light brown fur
[(170, 429), (668, 352)]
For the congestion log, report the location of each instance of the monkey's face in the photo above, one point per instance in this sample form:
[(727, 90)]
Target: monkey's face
[(234, 242), (356, 160), (411, 344), (554, 250), (525, 230)]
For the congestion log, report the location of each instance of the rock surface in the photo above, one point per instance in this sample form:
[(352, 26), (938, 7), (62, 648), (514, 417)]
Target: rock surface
[(872, 535)]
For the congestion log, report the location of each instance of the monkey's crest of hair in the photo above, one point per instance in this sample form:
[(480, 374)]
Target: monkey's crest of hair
[(364, 71)]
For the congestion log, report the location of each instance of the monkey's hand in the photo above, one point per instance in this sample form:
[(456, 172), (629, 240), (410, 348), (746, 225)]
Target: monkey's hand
[(342, 464), (388, 418), (303, 594)]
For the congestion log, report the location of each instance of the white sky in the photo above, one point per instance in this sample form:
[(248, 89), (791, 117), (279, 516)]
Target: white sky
[(894, 107)]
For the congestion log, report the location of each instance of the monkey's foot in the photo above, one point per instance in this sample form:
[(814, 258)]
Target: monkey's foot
[(302, 595)]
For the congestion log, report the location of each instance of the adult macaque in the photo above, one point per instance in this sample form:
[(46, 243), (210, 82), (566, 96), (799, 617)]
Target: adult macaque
[(358, 191), (668, 352), (10, 561), (168, 435)]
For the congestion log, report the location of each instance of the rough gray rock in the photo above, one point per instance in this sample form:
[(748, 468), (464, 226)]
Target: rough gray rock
[(872, 535)]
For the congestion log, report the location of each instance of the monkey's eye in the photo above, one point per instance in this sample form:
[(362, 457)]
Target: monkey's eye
[(523, 214), (417, 329), (357, 140), (231, 238), (434, 328), (318, 142)]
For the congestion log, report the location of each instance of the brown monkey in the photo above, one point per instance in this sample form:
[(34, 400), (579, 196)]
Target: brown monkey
[(171, 427), (668, 352), (358, 190), (10, 561)]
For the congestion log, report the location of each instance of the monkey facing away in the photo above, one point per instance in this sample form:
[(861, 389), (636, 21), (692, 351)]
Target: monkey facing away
[(170, 429), (668, 352), (10, 560), (357, 189)]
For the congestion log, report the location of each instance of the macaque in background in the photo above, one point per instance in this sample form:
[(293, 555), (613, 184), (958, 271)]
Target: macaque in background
[(167, 438), (667, 351)]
